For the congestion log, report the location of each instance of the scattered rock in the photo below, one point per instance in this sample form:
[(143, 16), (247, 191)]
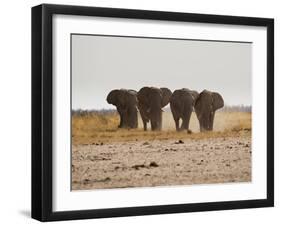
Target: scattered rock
[(137, 167), (179, 142), (153, 164), (145, 143), (105, 179), (247, 129), (86, 181), (73, 168), (247, 145)]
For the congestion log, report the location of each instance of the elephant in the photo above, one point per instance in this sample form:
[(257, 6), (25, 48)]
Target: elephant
[(182, 102), (205, 107), (151, 100), (126, 105)]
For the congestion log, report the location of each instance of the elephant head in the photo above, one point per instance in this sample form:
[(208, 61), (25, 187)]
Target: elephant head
[(195, 95), (151, 100), (217, 101), (182, 102), (205, 107), (166, 94), (126, 104)]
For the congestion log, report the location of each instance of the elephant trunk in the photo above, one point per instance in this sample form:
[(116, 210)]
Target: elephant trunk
[(156, 118)]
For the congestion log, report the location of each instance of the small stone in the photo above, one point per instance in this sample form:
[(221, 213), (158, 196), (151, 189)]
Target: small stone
[(153, 164), (179, 142)]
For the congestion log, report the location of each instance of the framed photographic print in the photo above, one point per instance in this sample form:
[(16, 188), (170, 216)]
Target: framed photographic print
[(145, 112)]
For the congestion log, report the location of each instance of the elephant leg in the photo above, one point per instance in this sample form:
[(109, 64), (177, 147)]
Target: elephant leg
[(176, 117), (182, 127), (121, 122), (156, 121), (186, 120), (133, 118), (153, 125), (205, 123), (159, 125), (212, 116), (126, 118), (177, 122), (121, 117), (144, 120), (201, 123)]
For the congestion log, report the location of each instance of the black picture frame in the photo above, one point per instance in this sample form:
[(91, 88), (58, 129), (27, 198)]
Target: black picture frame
[(42, 111)]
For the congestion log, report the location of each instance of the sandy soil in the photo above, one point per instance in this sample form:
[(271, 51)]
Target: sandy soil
[(161, 162)]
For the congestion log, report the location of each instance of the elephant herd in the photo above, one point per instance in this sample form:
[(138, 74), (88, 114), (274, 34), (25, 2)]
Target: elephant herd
[(149, 101)]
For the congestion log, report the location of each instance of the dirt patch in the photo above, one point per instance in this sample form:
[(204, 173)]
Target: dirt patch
[(182, 161)]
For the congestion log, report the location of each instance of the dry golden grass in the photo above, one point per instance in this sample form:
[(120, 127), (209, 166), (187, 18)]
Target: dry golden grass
[(97, 128)]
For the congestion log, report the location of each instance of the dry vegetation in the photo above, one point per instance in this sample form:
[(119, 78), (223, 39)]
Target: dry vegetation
[(95, 128), (106, 157)]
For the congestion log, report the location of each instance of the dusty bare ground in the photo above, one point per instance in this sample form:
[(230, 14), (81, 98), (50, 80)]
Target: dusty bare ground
[(169, 161)]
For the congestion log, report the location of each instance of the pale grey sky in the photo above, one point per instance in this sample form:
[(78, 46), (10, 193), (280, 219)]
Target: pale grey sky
[(103, 63)]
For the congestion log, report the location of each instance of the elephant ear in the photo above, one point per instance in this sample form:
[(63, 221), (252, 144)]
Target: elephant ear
[(142, 96), (112, 96), (132, 96), (217, 101), (194, 95), (166, 95), (122, 97), (117, 97)]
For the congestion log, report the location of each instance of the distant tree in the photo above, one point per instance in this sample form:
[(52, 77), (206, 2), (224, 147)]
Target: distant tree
[(237, 108), (81, 112)]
